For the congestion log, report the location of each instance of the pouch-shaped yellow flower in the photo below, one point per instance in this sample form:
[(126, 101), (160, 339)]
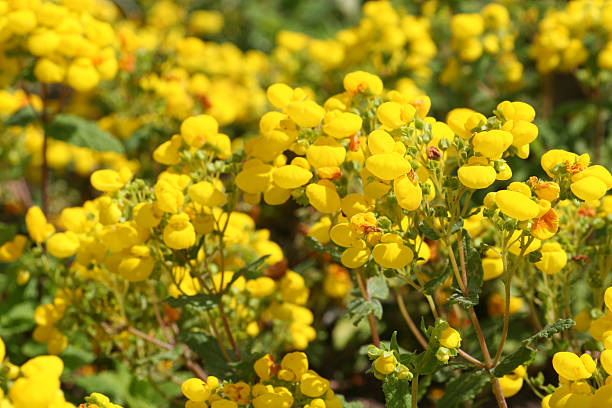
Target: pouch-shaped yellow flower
[(516, 205), (323, 197), (342, 125), (179, 233), (387, 166)]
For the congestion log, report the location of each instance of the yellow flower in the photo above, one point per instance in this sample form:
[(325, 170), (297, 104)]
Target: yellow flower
[(571, 367), (11, 250), (512, 383), (261, 287), (342, 125), (168, 152), (255, 177), (296, 364), (305, 113), (326, 152), (589, 188), (392, 253), (195, 390), (457, 120), (355, 256), (407, 192), (206, 194), (516, 205), (49, 71), (385, 363), (38, 227), (492, 264), (323, 197), (450, 338), (179, 233), (337, 282), (394, 115), (313, 385), (492, 143), (290, 176), (63, 244), (82, 75), (387, 166), (197, 130), (476, 176), (263, 368), (279, 95), (110, 181), (137, 264), (144, 215), (361, 81), (546, 225)]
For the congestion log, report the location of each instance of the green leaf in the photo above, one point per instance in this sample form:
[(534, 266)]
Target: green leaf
[(359, 308), (465, 302), (435, 282), (551, 329), (463, 388), (207, 348), (201, 301), (393, 344), (7, 232), (378, 287), (251, 271), (317, 246), (428, 231), (397, 392), (347, 404), (521, 356), (22, 117), (81, 132)]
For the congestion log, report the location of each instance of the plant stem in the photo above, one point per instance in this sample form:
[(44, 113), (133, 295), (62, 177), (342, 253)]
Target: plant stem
[(363, 287), (150, 339), (499, 396), (413, 328), (45, 165), (415, 391)]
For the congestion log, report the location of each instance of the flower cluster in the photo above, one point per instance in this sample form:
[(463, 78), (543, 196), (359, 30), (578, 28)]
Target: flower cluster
[(581, 380), (388, 40), (68, 44), (488, 35), (284, 385), (567, 38)]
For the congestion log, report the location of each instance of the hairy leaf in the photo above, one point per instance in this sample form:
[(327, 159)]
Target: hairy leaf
[(84, 133), (397, 393), (463, 388), (201, 301)]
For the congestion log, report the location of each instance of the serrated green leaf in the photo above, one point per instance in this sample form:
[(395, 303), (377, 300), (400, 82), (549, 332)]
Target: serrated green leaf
[(207, 348), (201, 301), (428, 231), (22, 117), (378, 287), (519, 357), (349, 404), (397, 392), (317, 246), (435, 282), (465, 302), (83, 133), (551, 329), (359, 308), (463, 388)]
